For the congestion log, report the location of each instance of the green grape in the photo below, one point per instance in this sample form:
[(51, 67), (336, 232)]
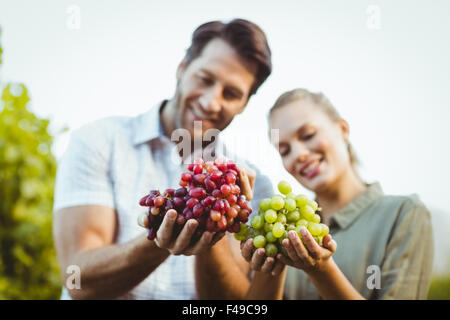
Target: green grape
[(289, 204), (284, 187), (277, 203), (264, 204), (259, 232), (301, 222), (283, 251), (270, 237), (278, 229), (271, 250), (313, 205), (314, 229), (243, 229), (284, 236), (293, 216), (239, 237), (291, 227), (316, 218), (257, 222), (325, 229), (268, 227), (318, 239), (270, 216), (307, 213), (259, 241), (282, 218), (301, 200), (291, 195)]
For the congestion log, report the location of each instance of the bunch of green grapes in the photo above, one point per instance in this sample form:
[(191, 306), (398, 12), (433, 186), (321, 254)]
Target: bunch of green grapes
[(279, 215)]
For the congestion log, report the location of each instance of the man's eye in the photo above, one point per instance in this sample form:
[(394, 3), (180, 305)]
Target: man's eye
[(228, 94), (206, 80)]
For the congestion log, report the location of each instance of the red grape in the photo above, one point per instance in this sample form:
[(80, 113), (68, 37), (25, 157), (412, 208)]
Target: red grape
[(197, 193)]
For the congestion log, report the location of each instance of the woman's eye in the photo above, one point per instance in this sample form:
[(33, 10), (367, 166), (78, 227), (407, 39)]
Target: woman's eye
[(308, 136), (284, 151)]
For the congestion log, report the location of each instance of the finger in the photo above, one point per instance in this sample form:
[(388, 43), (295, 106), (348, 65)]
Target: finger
[(284, 260), (217, 237), (258, 259), (246, 250), (246, 189), (268, 265), (143, 220), (279, 267), (184, 238), (329, 243), (298, 245), (201, 244), (311, 245), (290, 250), (164, 234)]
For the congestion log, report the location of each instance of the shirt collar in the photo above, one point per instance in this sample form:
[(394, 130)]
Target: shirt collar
[(347, 215), (147, 126)]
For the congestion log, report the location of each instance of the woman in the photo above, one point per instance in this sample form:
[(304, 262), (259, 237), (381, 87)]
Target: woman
[(385, 242)]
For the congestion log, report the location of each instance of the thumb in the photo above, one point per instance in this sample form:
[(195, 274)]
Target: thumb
[(143, 220)]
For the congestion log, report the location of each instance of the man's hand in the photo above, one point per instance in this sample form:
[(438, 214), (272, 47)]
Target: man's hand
[(181, 245), (247, 178)]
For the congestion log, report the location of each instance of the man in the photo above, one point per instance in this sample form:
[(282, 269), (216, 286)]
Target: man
[(111, 163)]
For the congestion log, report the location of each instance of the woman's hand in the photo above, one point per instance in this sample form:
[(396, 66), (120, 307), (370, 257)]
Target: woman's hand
[(310, 258), (258, 260)]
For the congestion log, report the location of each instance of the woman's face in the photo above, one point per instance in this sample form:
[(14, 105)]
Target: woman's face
[(312, 146)]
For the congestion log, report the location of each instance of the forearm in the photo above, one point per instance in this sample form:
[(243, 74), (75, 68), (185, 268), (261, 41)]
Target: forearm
[(217, 274), (332, 284), (109, 272), (264, 286)]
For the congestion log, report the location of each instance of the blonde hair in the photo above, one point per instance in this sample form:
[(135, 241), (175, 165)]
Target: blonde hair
[(322, 102)]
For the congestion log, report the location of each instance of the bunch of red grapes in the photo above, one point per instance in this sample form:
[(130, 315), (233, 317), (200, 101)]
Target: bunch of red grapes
[(209, 193)]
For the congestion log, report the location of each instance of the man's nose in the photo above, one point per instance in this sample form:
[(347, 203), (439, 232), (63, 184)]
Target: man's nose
[(210, 100)]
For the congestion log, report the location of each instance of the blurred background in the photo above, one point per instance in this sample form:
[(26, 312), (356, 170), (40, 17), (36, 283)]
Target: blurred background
[(384, 64)]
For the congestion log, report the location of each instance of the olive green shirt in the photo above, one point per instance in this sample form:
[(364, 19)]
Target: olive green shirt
[(377, 232)]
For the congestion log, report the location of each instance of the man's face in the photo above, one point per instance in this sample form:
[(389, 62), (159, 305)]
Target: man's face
[(213, 88)]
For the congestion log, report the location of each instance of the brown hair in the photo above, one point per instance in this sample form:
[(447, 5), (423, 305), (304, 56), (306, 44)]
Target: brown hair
[(322, 102), (244, 36)]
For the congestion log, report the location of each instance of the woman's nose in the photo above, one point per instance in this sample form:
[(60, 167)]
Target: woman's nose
[(301, 153), (210, 100)]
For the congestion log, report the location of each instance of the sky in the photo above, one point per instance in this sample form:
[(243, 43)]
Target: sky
[(383, 64)]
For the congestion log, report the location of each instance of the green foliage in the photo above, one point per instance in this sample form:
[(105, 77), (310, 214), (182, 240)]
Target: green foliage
[(440, 288), (28, 265)]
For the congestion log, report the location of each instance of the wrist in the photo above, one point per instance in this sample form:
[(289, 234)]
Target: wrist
[(325, 267), (149, 251)]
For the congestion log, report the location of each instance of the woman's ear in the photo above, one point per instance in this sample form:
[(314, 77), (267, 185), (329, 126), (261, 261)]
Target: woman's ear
[(345, 129), (180, 69)]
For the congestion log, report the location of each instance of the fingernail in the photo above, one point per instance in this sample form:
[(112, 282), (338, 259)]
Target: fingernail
[(303, 230), (141, 220)]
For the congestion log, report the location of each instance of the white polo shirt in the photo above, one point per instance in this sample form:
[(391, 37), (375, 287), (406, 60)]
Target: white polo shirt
[(115, 161)]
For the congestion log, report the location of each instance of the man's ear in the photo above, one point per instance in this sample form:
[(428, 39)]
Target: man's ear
[(345, 129), (180, 69)]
